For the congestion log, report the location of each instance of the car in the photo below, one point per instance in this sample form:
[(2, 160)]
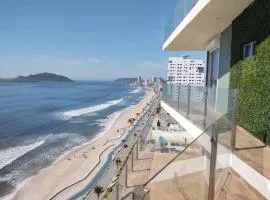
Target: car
[(125, 146)]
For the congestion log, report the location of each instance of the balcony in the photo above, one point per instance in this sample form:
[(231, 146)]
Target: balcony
[(193, 169), (196, 159), (201, 160), (195, 23)]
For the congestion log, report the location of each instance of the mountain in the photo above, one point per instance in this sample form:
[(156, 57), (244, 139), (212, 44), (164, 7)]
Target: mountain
[(126, 80), (41, 77)]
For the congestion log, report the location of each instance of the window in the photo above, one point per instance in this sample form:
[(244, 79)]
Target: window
[(249, 50), (200, 69)]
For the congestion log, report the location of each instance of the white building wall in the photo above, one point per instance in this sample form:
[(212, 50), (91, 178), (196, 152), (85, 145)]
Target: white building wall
[(186, 71)]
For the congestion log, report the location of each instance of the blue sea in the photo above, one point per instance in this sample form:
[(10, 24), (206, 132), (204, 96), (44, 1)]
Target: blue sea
[(41, 121)]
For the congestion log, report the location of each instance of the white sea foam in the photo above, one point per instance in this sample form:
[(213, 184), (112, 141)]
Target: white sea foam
[(83, 111), (77, 121), (92, 124), (109, 121), (135, 91), (8, 155), (105, 123)]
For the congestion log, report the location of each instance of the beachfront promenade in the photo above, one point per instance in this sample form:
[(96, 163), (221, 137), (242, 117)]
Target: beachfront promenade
[(139, 131)]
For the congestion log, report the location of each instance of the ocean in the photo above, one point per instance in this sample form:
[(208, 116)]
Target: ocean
[(39, 122)]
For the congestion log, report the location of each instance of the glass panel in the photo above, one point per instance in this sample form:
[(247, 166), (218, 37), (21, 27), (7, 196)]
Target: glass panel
[(252, 148), (196, 105), (184, 175), (224, 150), (247, 51), (180, 12), (196, 102)]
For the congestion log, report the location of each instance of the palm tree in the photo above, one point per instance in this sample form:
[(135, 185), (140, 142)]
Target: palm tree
[(130, 121), (118, 162), (158, 109), (98, 190)]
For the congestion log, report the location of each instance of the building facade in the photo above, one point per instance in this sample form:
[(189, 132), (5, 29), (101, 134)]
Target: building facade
[(189, 75), (236, 37), (154, 79), (139, 80), (186, 71)]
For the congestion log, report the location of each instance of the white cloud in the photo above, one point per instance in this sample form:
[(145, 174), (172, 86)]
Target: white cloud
[(72, 62), (93, 60), (80, 61)]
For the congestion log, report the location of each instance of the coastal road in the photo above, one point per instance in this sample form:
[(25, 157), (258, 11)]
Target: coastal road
[(142, 127)]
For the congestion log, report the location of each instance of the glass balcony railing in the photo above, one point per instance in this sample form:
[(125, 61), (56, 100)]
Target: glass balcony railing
[(161, 163), (201, 105), (176, 170), (195, 169), (180, 12), (176, 165)]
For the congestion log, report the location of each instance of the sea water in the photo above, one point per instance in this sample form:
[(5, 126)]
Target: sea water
[(39, 122)]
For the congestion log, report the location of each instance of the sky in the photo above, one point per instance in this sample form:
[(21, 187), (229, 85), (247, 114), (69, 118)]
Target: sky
[(85, 39)]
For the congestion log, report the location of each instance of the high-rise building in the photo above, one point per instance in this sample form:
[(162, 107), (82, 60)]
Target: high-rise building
[(146, 82), (154, 79), (186, 71), (139, 79)]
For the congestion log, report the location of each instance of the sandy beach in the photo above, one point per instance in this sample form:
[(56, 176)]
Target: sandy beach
[(76, 164)]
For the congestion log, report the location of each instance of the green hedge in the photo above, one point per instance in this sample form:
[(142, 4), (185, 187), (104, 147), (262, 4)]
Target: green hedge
[(252, 78)]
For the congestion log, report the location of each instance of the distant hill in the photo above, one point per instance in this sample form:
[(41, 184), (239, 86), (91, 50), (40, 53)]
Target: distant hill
[(126, 80), (41, 77)]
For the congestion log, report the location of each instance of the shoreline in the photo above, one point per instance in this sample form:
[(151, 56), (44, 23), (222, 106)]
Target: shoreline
[(23, 190), (65, 154)]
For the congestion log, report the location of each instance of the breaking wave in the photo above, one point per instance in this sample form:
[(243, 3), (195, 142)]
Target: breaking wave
[(83, 111), (8, 155)]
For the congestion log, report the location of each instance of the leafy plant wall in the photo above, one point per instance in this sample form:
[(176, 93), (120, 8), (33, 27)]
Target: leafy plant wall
[(252, 78)]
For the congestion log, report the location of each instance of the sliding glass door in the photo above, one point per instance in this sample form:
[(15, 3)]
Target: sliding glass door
[(213, 65)]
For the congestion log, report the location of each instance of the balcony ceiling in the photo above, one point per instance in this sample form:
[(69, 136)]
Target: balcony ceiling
[(204, 22)]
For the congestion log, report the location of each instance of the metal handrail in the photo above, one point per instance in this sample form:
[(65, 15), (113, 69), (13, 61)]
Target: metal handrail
[(165, 166), (173, 159), (124, 162), (181, 152), (132, 147), (134, 143)]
